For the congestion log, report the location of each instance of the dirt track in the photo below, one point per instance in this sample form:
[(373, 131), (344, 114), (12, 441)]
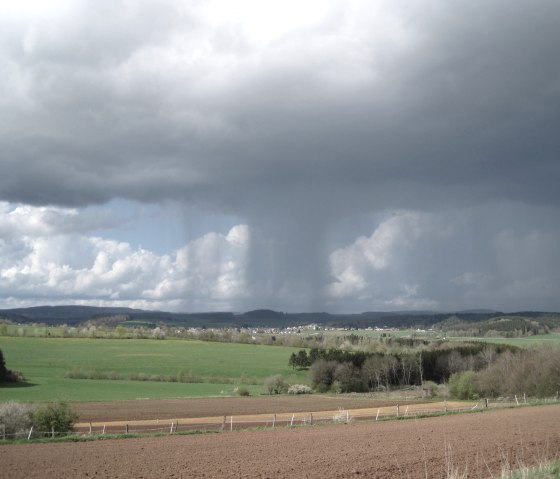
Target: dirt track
[(203, 407), (480, 443)]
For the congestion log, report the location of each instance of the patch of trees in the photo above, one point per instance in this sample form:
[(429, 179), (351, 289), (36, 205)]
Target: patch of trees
[(347, 371), (534, 372), (439, 364), (376, 371), (16, 419)]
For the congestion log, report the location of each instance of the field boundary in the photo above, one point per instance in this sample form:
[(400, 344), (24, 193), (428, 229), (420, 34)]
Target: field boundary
[(230, 423), (271, 420)]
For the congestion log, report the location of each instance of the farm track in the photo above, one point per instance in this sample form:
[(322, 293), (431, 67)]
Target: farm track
[(269, 419), (205, 407), (481, 444)]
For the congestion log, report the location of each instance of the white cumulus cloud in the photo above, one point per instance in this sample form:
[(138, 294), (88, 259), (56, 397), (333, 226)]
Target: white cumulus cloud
[(40, 261)]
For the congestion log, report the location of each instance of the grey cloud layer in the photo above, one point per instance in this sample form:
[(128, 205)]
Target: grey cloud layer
[(379, 104), (361, 107)]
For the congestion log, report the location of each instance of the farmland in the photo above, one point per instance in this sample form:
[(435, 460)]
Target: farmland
[(430, 447), (449, 446), (214, 368)]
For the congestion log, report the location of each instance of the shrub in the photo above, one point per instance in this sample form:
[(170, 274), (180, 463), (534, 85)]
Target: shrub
[(242, 391), (321, 374), (58, 417), (299, 389), (463, 385), (188, 377), (76, 373), (342, 416), (276, 384), (16, 418), (430, 388)]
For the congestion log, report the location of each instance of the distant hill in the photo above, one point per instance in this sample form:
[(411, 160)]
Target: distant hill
[(476, 320)]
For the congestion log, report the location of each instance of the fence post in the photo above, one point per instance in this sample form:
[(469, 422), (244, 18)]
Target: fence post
[(171, 430), (273, 421), (231, 423), (524, 398), (224, 424), (398, 410), (90, 428), (311, 419), (516, 401), (377, 415), (126, 429), (406, 411), (30, 432), (52, 431), (103, 429), (292, 422), (445, 405), (486, 402)]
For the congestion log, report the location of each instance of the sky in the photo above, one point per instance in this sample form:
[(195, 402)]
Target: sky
[(342, 156)]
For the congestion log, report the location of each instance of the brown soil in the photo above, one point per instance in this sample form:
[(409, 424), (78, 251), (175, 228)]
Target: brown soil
[(481, 444), (233, 406)]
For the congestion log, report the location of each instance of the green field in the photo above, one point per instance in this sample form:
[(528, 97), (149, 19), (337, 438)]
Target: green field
[(521, 342), (434, 336), (222, 367)]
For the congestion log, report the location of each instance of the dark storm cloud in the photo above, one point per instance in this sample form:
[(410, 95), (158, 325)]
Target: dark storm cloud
[(469, 103), (375, 106)]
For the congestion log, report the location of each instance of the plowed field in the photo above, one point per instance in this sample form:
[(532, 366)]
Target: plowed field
[(479, 443), (203, 407)]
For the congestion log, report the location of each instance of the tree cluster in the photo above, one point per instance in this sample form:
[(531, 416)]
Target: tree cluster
[(17, 418), (534, 372), (348, 371)]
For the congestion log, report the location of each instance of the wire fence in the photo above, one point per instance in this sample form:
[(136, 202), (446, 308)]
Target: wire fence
[(268, 421)]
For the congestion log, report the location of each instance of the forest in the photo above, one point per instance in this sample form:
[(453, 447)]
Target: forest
[(472, 369)]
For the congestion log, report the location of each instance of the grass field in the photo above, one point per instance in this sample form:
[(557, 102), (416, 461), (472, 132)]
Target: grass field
[(432, 336), (44, 362), (522, 342)]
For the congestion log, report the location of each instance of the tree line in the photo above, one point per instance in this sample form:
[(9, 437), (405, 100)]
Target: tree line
[(359, 371), (534, 372)]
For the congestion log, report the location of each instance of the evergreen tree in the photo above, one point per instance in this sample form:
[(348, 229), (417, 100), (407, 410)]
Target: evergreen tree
[(302, 359), (3, 370), (293, 361)]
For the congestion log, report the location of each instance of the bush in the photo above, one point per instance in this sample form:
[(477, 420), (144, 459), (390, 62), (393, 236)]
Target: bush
[(463, 385), (16, 418), (276, 384), (299, 389), (58, 417), (342, 416), (429, 388), (242, 391), (321, 374)]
